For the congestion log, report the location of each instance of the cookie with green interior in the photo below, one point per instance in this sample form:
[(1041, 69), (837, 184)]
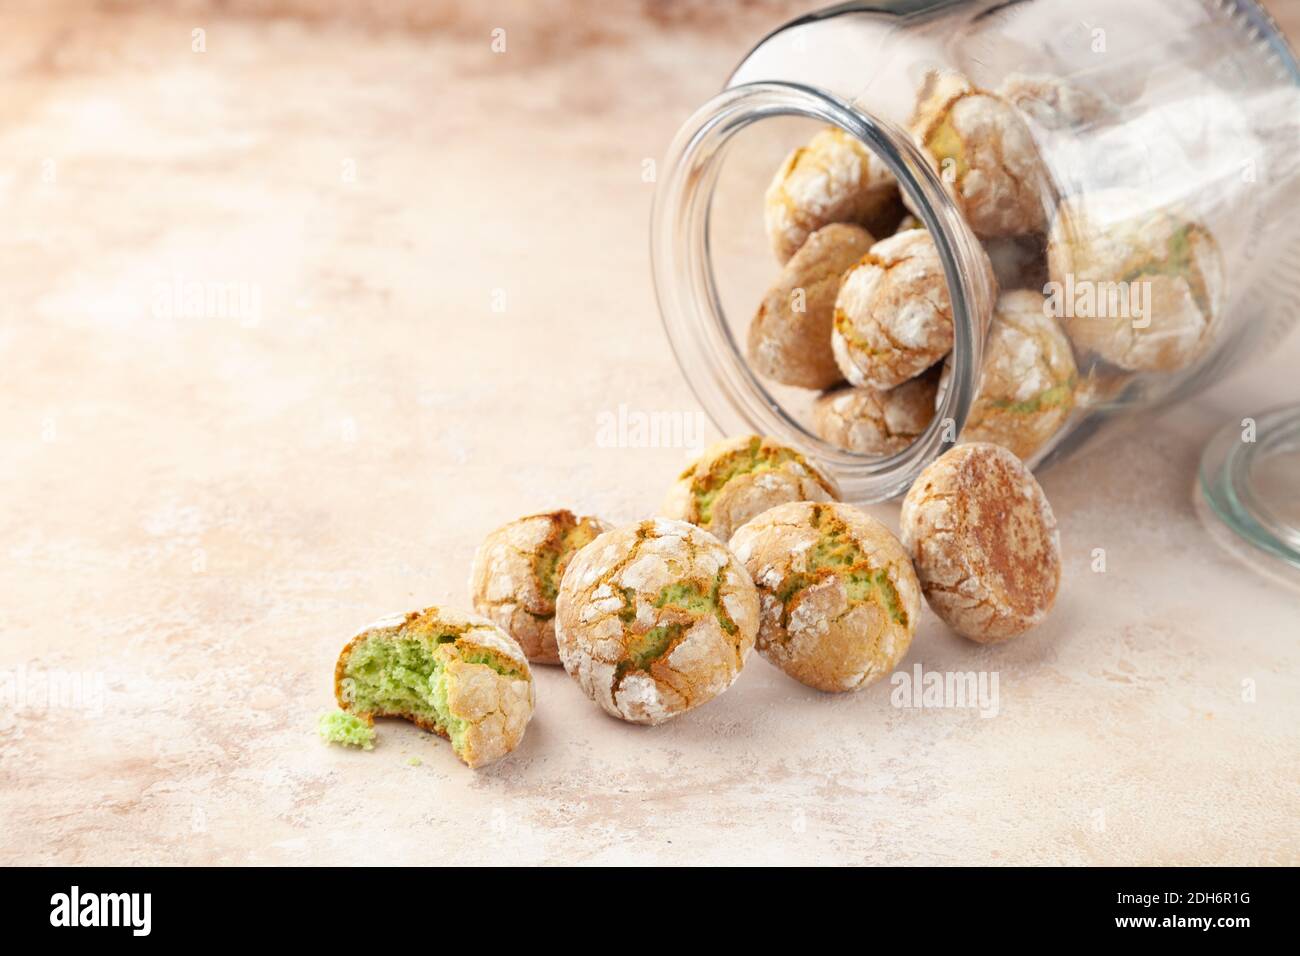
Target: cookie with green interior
[(516, 575), (790, 334), (834, 178), (738, 478), (457, 675), (985, 154), (655, 619), (1139, 284), (347, 730), (876, 421), (984, 542), (1026, 392), (838, 593)]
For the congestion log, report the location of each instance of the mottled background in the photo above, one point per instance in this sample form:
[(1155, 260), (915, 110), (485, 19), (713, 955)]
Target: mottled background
[(439, 260)]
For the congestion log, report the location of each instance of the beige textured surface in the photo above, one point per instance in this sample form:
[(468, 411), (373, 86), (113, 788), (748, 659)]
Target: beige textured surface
[(200, 513)]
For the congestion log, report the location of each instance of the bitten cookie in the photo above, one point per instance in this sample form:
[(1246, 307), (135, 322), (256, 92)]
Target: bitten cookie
[(790, 335), (655, 619), (516, 575), (984, 542), (839, 596), (740, 477), (455, 674), (985, 154), (832, 179), (873, 421), (1143, 288)]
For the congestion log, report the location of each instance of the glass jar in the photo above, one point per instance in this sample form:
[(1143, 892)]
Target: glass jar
[(1163, 143)]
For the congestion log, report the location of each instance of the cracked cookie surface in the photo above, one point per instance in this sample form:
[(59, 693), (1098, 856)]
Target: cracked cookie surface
[(790, 334), (516, 576), (457, 675), (1106, 245), (1026, 392), (834, 178), (839, 598), (893, 316), (1055, 103), (738, 478), (984, 542), (984, 153), (655, 619), (876, 421)]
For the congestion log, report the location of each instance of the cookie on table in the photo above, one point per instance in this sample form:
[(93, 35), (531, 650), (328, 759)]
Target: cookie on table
[(655, 619), (738, 478), (516, 576), (457, 675), (839, 596), (984, 542)]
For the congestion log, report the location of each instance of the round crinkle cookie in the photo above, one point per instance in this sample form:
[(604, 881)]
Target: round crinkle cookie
[(839, 596), (790, 335), (984, 542), (834, 178), (655, 619), (876, 421), (517, 571), (740, 477), (985, 154)]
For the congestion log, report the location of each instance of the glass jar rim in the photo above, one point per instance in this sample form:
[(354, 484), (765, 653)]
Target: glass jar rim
[(714, 365)]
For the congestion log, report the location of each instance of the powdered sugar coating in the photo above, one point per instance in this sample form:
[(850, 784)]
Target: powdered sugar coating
[(1053, 102), (876, 421), (494, 707), (832, 179), (655, 619), (516, 573), (1113, 240), (839, 597), (985, 154), (984, 542), (740, 477), (1026, 392), (893, 315)]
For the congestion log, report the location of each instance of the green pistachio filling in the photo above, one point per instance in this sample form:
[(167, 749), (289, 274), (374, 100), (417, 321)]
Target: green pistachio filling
[(644, 650), (691, 596), (1177, 261), (697, 598), (946, 145), (553, 558), (346, 730), (836, 553), (1054, 397), (751, 459), (408, 675)]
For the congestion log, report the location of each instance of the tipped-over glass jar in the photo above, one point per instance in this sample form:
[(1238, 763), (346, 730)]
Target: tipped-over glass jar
[(907, 223)]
